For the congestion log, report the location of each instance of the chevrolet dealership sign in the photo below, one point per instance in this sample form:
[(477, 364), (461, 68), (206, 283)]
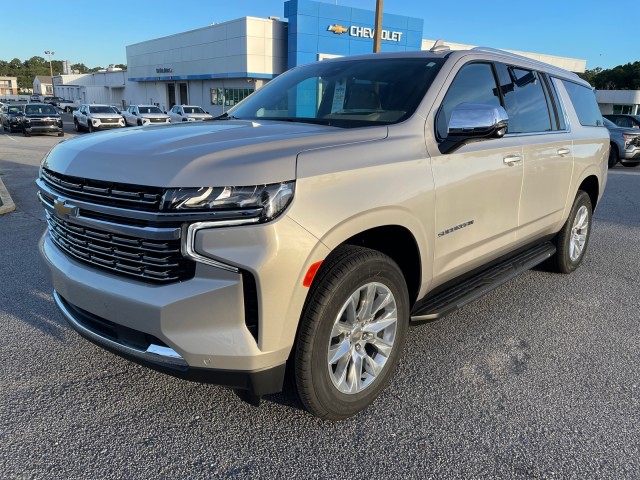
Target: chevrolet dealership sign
[(364, 32)]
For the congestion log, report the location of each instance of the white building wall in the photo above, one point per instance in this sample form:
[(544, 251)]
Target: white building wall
[(236, 48), (608, 98)]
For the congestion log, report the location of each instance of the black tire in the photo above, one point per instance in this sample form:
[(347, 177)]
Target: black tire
[(61, 134), (139, 123), (613, 155), (76, 126), (25, 133), (566, 258), (90, 126), (345, 272), (630, 164)]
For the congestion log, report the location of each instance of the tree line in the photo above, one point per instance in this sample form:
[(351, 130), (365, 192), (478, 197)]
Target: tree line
[(622, 77), (25, 71)]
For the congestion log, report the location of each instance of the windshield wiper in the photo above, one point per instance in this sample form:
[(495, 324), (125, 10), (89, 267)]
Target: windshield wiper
[(225, 116)]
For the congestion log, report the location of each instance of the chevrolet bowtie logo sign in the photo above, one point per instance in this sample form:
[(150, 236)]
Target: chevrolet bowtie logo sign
[(365, 32), (64, 210), (337, 29)]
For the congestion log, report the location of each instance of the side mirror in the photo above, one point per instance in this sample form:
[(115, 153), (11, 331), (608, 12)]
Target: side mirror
[(472, 122)]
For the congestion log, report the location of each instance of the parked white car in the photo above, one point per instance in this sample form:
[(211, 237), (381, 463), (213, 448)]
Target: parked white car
[(139, 115), (188, 113), (93, 117)]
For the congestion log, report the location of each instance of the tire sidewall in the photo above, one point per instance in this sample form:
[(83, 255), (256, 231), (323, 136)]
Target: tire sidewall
[(381, 270)]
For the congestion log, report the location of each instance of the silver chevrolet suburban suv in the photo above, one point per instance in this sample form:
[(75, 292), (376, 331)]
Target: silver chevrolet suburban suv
[(304, 230)]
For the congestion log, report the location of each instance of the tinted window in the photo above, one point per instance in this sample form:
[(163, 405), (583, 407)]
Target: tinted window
[(555, 98), (525, 102), (584, 102), (474, 83)]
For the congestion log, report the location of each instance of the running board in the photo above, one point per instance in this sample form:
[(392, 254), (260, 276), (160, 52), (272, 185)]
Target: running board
[(459, 295)]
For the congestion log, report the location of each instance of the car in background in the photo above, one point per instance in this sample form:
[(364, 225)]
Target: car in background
[(41, 118), (93, 117), (55, 101), (35, 97), (625, 145), (67, 105), (139, 115), (12, 117), (188, 113), (624, 120)]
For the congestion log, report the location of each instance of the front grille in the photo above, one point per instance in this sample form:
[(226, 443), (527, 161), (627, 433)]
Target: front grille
[(109, 120), (43, 122), (135, 197), (149, 260), (158, 120)]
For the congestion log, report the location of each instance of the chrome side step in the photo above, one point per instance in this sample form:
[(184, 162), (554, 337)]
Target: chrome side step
[(459, 295)]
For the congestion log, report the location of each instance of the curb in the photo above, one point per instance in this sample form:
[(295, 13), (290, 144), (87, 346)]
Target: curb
[(6, 203)]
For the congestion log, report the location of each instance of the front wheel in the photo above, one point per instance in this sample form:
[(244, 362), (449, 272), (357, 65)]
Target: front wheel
[(90, 126), (352, 332), (573, 239)]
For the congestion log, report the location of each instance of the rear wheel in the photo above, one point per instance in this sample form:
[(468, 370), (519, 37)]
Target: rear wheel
[(613, 155), (351, 333), (572, 241)]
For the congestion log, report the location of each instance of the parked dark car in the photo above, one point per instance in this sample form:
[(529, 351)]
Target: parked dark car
[(12, 117), (623, 120), (41, 118), (55, 101)]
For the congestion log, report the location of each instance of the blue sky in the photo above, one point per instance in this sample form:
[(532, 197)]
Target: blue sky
[(96, 33)]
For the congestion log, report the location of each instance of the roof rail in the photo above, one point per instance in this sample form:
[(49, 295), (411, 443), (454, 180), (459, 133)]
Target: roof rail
[(515, 56)]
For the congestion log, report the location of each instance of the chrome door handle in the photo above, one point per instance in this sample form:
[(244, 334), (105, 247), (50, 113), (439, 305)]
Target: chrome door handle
[(563, 151), (512, 159)]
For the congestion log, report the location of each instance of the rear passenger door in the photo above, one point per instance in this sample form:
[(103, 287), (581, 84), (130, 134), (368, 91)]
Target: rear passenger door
[(537, 118), (477, 186)]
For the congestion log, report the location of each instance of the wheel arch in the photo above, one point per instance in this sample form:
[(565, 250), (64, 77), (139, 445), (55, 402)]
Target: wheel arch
[(591, 186)]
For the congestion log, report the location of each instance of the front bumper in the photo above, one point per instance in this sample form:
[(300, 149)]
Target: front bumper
[(42, 128), (131, 345)]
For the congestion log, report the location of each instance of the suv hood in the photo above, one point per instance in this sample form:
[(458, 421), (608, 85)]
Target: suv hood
[(198, 154)]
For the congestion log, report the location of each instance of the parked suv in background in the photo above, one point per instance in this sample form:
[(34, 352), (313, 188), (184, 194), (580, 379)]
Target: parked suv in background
[(188, 113), (12, 117), (625, 145), (93, 117), (623, 120), (311, 227), (41, 118), (139, 115)]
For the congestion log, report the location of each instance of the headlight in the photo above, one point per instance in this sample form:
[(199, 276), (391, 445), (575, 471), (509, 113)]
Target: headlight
[(260, 203)]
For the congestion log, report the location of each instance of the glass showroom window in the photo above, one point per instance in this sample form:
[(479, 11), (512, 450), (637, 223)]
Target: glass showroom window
[(229, 96)]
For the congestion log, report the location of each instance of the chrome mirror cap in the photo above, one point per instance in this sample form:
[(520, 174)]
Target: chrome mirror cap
[(478, 120)]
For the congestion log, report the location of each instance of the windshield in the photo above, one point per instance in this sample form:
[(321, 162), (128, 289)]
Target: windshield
[(40, 110), (102, 109), (149, 110), (344, 93), (193, 110), (609, 123), (18, 109)]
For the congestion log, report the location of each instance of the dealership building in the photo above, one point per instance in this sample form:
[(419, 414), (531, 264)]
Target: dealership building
[(218, 65)]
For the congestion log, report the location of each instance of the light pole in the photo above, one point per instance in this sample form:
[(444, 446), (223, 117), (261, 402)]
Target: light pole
[(50, 53)]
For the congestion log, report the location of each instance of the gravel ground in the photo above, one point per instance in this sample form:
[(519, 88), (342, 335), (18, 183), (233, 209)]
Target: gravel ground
[(538, 379)]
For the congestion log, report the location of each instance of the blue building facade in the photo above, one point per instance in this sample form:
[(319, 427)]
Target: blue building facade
[(316, 29)]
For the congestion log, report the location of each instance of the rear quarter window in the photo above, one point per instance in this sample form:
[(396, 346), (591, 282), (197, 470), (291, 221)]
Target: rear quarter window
[(584, 103)]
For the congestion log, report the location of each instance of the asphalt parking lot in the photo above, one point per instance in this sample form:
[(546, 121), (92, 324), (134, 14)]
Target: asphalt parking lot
[(538, 379)]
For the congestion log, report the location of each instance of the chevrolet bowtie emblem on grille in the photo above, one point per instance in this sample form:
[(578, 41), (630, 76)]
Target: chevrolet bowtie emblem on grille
[(64, 210), (337, 29)]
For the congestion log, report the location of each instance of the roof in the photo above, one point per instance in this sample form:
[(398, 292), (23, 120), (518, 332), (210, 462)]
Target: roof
[(43, 78)]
